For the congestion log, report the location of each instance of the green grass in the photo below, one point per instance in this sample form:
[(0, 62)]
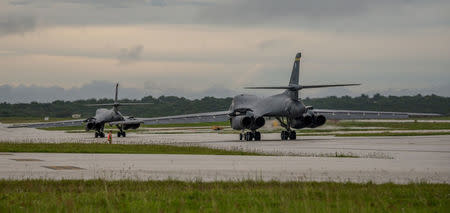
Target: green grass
[(245, 196), (399, 125), (392, 134), (430, 118), (118, 148)]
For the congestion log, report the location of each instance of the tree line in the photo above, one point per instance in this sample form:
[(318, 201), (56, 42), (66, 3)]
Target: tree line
[(171, 105)]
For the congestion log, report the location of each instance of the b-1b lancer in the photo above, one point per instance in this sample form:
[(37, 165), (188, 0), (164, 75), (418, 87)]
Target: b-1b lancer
[(97, 123), (249, 112)]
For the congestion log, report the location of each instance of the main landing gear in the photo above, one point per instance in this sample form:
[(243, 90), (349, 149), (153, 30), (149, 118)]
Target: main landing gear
[(289, 134), (121, 132), (249, 136), (99, 134)]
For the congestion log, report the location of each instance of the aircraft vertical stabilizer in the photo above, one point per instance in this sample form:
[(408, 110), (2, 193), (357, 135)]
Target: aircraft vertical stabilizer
[(295, 71), (294, 82)]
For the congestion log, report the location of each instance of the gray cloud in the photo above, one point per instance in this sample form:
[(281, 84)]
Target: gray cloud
[(132, 54), (343, 15), (331, 15), (17, 25)]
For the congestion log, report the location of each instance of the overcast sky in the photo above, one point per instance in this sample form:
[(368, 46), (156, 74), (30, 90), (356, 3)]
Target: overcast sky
[(53, 49)]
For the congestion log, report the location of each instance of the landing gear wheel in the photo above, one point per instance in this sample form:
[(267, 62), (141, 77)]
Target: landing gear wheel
[(124, 134), (101, 134), (96, 135), (118, 134), (249, 136), (292, 135), (257, 136), (284, 135), (240, 136)]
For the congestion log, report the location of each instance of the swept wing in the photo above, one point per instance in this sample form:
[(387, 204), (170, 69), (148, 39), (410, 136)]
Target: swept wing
[(49, 124), (188, 118), (359, 114)]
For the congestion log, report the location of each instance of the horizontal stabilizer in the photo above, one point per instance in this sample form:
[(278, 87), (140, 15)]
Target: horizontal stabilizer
[(119, 104), (300, 87), (133, 104), (282, 87), (329, 85), (99, 104)]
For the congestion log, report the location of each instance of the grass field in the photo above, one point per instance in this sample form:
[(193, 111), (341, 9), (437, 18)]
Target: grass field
[(155, 149), (117, 148), (246, 196)]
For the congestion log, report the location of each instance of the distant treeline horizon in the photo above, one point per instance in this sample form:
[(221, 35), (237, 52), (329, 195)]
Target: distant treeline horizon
[(172, 105)]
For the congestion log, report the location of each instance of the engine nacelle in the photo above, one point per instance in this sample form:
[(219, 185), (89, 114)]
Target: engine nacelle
[(131, 126), (258, 123), (318, 120), (90, 125), (247, 122), (302, 122), (241, 122)]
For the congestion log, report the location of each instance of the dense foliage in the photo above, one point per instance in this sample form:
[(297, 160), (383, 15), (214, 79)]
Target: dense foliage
[(170, 105)]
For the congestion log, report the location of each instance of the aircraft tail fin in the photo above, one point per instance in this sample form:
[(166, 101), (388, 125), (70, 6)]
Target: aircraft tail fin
[(294, 86), (117, 92), (295, 70), (116, 104)]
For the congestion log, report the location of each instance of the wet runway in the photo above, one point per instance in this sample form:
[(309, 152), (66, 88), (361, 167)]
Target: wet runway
[(377, 159)]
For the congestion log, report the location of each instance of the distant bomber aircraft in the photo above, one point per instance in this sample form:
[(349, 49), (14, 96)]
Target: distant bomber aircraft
[(102, 116), (248, 112)]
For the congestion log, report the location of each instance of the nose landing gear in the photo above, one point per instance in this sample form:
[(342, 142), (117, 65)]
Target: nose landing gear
[(249, 136)]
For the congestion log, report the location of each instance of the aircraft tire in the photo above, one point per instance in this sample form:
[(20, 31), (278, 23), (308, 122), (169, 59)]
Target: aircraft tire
[(249, 136), (257, 136), (292, 135), (240, 136), (96, 135), (284, 135), (102, 135), (124, 134), (118, 134)]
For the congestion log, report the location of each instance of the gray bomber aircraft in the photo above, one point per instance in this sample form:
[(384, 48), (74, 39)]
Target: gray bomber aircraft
[(249, 112), (97, 123)]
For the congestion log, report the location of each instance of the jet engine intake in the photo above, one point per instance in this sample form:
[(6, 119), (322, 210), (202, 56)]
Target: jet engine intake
[(258, 123), (91, 124), (318, 120), (302, 122), (241, 122)]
